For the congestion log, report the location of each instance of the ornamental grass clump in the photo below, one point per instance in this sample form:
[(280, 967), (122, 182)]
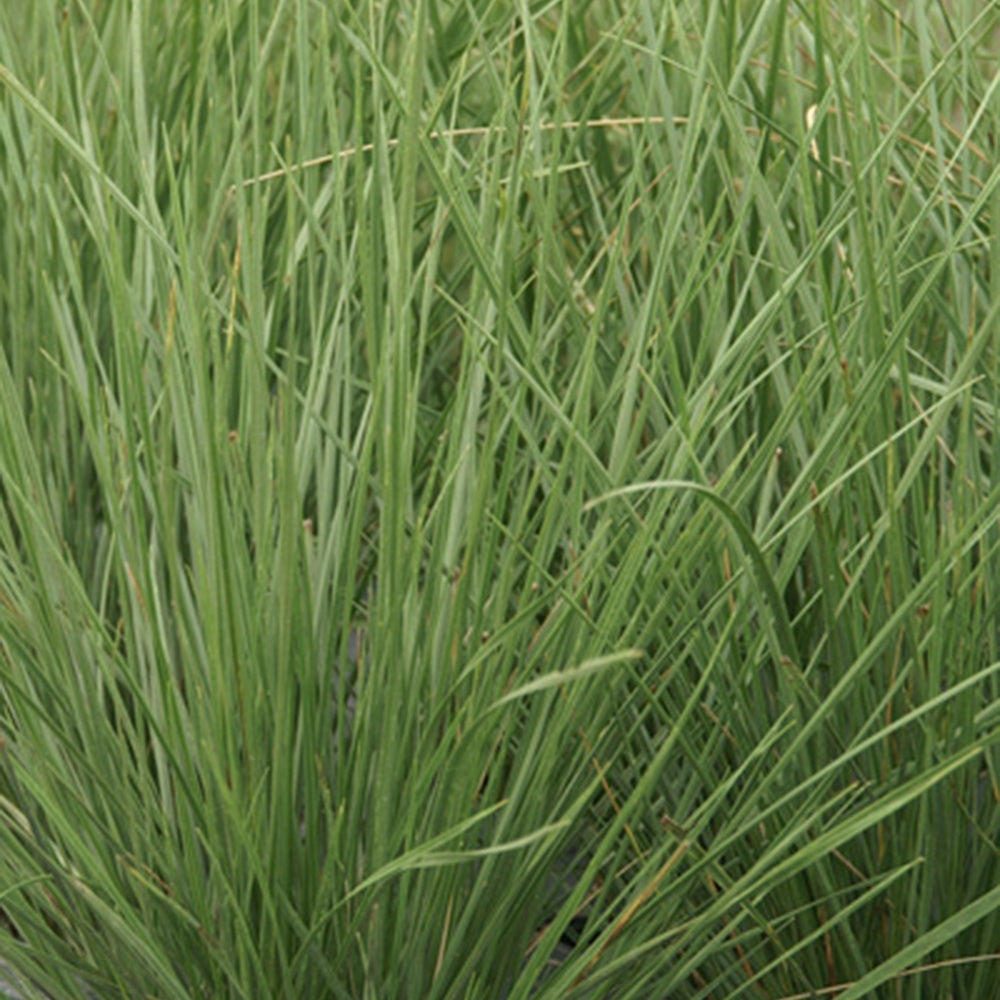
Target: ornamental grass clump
[(498, 500)]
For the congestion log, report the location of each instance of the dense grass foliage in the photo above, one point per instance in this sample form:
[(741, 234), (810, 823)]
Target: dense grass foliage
[(498, 499)]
